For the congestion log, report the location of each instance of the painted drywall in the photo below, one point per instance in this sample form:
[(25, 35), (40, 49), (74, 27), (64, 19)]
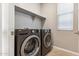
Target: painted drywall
[(33, 7), (49, 11), (0, 31), (68, 39), (7, 28), (5, 12), (11, 27), (64, 39), (26, 21)]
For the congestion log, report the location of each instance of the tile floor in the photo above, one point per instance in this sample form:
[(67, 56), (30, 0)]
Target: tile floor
[(57, 52)]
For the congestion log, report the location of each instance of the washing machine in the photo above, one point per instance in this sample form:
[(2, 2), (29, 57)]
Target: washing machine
[(27, 42), (46, 41)]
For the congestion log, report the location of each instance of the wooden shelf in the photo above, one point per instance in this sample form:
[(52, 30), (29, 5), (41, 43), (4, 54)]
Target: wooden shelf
[(28, 12)]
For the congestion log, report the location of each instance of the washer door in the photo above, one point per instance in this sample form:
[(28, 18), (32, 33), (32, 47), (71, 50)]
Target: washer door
[(47, 40), (30, 46)]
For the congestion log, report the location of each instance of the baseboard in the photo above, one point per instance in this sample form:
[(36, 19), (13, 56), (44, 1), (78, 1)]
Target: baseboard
[(75, 53)]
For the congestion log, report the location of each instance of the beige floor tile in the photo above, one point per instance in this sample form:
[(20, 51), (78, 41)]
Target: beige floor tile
[(57, 52)]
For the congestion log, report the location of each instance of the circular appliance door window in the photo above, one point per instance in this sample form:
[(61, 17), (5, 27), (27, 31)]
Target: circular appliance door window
[(30, 46), (47, 40)]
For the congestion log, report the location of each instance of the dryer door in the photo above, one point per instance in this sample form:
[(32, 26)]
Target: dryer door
[(30, 46), (47, 40)]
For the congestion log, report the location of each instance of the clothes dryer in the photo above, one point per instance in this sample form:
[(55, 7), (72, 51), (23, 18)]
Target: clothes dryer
[(46, 41)]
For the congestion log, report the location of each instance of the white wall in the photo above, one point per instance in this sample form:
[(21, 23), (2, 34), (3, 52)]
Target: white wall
[(5, 32), (33, 7), (7, 28), (26, 21), (0, 30), (49, 11), (67, 40)]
